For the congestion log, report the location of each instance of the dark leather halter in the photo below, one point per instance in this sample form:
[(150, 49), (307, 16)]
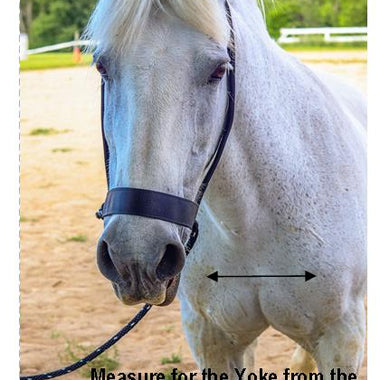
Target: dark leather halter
[(163, 206)]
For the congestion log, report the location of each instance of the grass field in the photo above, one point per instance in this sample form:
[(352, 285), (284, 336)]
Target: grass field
[(57, 60), (53, 60), (325, 48)]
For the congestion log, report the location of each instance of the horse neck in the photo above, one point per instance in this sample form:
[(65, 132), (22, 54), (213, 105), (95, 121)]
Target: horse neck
[(290, 129), (236, 190)]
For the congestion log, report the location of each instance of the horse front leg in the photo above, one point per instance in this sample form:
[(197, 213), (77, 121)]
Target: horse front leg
[(211, 347), (302, 361), (342, 343)]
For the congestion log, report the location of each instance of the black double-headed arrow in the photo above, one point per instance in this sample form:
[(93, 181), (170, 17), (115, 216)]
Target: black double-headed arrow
[(307, 276)]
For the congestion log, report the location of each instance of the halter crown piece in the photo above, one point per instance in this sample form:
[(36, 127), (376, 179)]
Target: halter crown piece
[(164, 206)]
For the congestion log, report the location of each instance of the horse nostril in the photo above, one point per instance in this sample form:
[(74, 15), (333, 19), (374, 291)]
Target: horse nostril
[(171, 263), (105, 263)]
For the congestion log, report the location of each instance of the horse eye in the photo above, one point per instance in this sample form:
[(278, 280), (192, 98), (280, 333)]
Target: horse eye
[(101, 69), (218, 73)]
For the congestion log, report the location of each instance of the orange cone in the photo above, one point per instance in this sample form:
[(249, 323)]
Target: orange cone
[(77, 55)]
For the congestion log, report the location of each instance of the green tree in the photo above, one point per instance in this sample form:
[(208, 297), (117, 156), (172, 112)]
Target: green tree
[(353, 13), (315, 13), (53, 21), (285, 13), (26, 15), (58, 20)]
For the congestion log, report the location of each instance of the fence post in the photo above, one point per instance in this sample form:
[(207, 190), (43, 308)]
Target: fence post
[(24, 42), (77, 56)]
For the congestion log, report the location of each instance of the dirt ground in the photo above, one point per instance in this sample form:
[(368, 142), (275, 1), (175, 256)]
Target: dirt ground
[(62, 184)]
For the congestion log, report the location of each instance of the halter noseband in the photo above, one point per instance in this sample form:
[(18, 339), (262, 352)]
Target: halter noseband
[(164, 206)]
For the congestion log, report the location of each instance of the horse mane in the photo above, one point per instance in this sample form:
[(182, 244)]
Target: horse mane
[(116, 24)]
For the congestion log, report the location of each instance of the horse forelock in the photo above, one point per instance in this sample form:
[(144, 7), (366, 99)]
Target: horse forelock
[(116, 24)]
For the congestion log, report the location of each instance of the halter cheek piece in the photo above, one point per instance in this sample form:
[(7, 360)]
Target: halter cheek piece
[(163, 206)]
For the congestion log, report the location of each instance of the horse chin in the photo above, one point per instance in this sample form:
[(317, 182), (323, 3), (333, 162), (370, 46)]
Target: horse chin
[(164, 298), (171, 291)]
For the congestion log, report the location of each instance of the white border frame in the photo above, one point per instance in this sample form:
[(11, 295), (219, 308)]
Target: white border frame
[(9, 189), (373, 330)]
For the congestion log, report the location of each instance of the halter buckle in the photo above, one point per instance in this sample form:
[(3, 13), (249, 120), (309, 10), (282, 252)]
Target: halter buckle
[(192, 238), (99, 213)]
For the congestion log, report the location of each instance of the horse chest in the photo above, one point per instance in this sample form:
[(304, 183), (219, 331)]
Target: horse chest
[(231, 305)]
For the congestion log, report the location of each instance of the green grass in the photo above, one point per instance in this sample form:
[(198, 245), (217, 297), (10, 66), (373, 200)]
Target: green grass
[(24, 219), (323, 47), (168, 374), (55, 334), (78, 238), (168, 328), (52, 61), (74, 352), (341, 59), (175, 358), (307, 48), (61, 150), (47, 131)]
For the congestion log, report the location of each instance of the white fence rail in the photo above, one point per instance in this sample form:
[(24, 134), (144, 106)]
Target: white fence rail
[(63, 45), (352, 34), (288, 35)]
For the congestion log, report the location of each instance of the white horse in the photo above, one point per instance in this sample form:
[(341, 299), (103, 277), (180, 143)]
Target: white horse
[(289, 194)]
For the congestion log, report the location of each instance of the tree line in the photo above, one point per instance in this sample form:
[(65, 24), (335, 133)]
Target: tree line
[(315, 13), (53, 21)]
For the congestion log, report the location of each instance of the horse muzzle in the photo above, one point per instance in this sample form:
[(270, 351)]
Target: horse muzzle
[(142, 266), (162, 295)]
